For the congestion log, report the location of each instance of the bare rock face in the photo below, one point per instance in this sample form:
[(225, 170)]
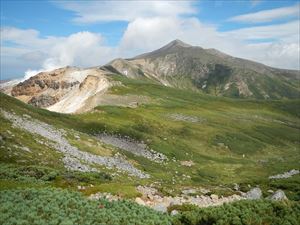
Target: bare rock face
[(66, 90), (42, 100)]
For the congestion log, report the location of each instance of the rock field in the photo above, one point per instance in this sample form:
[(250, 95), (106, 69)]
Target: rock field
[(74, 159)]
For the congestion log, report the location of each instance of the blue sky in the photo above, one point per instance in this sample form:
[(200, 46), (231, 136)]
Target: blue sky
[(43, 35)]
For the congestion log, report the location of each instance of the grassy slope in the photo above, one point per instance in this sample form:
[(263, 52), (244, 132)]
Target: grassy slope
[(262, 137)]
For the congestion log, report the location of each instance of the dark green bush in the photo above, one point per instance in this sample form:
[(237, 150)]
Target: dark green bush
[(245, 212), (55, 206), (44, 174), (27, 173)]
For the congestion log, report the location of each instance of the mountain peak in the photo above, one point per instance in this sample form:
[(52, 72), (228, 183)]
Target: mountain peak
[(168, 47), (177, 42)]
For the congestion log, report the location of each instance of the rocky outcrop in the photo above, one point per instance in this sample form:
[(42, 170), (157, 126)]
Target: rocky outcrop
[(40, 83)]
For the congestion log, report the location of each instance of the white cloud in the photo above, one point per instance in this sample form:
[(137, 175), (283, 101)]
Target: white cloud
[(280, 55), (27, 38), (268, 15), (146, 34), (284, 31), (81, 49), (34, 53), (99, 11)]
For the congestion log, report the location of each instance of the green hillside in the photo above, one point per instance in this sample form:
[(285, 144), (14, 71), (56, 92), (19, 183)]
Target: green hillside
[(227, 140)]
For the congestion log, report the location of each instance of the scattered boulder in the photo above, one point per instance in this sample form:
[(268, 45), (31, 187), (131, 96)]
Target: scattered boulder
[(174, 212), (279, 195), (254, 193), (139, 201)]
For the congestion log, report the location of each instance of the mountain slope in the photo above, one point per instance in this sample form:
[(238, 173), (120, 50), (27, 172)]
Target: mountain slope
[(205, 141), (180, 65)]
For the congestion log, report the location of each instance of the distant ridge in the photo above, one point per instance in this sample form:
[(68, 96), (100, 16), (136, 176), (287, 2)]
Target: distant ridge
[(211, 71)]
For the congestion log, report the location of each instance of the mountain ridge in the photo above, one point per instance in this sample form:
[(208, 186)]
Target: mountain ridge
[(177, 65), (211, 71)]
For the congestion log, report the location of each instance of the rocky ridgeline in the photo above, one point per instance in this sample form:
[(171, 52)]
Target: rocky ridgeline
[(285, 175), (130, 145), (74, 159)]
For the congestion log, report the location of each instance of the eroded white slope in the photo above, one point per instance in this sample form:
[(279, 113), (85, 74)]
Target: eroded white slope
[(76, 98)]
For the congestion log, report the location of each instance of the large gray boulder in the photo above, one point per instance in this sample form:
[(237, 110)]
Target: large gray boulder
[(279, 195), (160, 207), (254, 193)]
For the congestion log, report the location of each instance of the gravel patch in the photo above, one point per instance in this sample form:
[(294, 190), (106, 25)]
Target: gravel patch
[(74, 159), (130, 145), (185, 118)]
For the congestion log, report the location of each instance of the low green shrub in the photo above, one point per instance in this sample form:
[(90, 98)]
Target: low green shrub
[(27, 173), (259, 212), (46, 174), (55, 206)]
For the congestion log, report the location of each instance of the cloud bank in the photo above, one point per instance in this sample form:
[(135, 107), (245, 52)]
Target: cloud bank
[(268, 15), (106, 11), (81, 49)]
